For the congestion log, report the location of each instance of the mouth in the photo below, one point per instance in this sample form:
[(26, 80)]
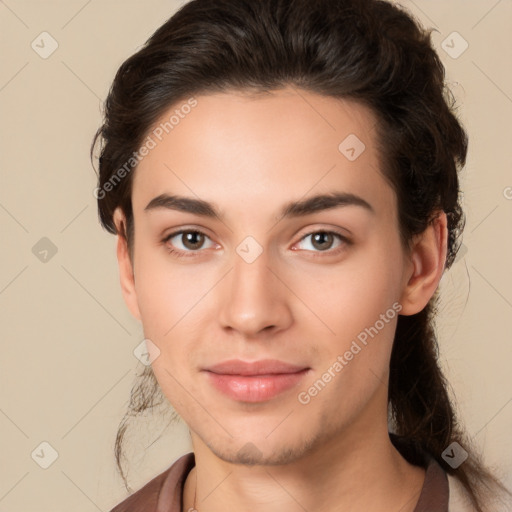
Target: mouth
[(257, 381)]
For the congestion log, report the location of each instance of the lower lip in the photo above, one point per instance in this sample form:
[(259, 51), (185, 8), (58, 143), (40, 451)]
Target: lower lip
[(255, 388)]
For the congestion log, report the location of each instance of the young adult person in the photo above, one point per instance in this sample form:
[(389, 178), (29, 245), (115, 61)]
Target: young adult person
[(282, 177)]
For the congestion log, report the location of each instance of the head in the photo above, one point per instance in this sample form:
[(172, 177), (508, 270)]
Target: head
[(259, 113)]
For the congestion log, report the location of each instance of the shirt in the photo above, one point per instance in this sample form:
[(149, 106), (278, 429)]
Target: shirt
[(164, 492)]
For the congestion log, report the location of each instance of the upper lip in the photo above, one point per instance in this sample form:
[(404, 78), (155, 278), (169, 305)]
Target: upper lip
[(261, 367)]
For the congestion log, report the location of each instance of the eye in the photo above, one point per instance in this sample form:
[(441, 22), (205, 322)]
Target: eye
[(322, 241), (191, 241)]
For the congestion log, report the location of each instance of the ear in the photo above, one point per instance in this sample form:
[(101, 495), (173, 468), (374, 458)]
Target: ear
[(126, 274), (427, 261)]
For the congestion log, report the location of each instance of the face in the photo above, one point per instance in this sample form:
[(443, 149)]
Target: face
[(249, 277)]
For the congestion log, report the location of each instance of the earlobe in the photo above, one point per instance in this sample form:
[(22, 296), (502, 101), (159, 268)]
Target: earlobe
[(126, 274), (428, 258)]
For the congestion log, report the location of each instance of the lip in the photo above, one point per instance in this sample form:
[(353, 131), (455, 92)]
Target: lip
[(256, 381)]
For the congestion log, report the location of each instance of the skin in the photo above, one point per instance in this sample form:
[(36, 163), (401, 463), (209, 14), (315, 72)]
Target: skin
[(298, 302)]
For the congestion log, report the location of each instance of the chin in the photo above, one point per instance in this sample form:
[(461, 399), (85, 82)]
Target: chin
[(260, 451)]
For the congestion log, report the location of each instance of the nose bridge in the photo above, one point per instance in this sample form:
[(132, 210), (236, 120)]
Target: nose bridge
[(253, 299)]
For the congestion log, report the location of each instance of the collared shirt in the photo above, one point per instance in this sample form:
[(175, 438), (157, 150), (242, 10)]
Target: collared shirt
[(164, 493)]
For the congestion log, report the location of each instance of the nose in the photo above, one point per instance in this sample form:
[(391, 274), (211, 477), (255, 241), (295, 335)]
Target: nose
[(253, 298)]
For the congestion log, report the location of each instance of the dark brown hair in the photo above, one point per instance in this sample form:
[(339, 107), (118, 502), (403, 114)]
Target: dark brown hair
[(370, 51)]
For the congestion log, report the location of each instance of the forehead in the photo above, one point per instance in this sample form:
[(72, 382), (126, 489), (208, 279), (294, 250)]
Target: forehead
[(235, 148)]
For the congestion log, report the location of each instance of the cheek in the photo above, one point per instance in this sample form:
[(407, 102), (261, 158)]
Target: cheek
[(352, 296), (359, 304), (354, 362), (167, 294), (169, 301)]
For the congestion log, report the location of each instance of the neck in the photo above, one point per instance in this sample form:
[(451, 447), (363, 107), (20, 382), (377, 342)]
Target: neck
[(359, 471)]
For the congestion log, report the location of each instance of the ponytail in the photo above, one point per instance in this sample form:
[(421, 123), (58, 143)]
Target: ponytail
[(420, 407)]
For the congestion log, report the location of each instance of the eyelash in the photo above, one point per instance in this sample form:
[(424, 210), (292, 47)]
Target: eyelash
[(186, 254)]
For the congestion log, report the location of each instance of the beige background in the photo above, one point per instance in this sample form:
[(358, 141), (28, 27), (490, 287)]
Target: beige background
[(67, 360)]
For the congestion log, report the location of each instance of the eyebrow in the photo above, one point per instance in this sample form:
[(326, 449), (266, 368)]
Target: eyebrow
[(290, 210)]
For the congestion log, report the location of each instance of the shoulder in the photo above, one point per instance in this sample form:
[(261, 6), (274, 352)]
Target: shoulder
[(162, 492), (459, 500)]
